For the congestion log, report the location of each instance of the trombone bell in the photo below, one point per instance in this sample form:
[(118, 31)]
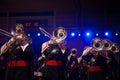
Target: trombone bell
[(115, 48), (60, 33), (106, 44), (96, 44)]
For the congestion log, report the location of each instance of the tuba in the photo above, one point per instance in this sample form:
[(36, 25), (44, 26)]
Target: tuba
[(59, 34)]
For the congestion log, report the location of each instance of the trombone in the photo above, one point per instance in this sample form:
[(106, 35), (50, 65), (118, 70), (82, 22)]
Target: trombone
[(114, 48), (58, 34), (5, 33), (96, 44), (45, 32), (104, 44)]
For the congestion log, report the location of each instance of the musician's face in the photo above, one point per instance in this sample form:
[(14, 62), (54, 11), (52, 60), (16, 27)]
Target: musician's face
[(23, 42)]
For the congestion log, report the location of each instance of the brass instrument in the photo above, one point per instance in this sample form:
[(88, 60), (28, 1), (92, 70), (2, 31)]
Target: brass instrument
[(5, 33), (96, 43), (45, 32), (19, 29), (114, 48), (18, 37), (73, 50), (58, 35), (109, 46), (6, 46), (104, 44)]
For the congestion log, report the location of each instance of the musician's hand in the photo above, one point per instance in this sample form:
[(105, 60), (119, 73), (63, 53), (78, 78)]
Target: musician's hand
[(41, 57), (86, 51), (6, 46), (20, 37), (53, 40)]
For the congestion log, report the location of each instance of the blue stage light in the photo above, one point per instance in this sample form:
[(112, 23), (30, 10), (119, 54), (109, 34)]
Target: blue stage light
[(38, 34), (106, 33), (97, 34), (79, 34), (116, 34), (87, 34), (28, 34), (72, 34)]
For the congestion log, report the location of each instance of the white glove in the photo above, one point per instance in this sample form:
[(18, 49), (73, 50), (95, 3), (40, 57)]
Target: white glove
[(19, 36), (86, 51)]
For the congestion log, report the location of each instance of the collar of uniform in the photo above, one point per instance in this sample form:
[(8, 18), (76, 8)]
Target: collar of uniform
[(24, 47)]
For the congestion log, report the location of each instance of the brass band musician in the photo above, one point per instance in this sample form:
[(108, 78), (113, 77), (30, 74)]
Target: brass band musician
[(98, 59), (20, 56), (55, 54)]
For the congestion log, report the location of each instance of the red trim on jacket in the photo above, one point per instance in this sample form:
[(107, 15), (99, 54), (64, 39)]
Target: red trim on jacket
[(54, 63), (95, 68), (17, 63), (85, 65)]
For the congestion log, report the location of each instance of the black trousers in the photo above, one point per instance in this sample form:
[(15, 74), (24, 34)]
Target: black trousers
[(96, 75)]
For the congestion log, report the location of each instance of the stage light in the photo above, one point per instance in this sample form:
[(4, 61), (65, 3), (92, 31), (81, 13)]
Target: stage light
[(87, 34), (36, 24), (28, 24), (72, 34), (38, 34), (28, 34), (96, 34), (116, 34), (79, 34), (106, 33)]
